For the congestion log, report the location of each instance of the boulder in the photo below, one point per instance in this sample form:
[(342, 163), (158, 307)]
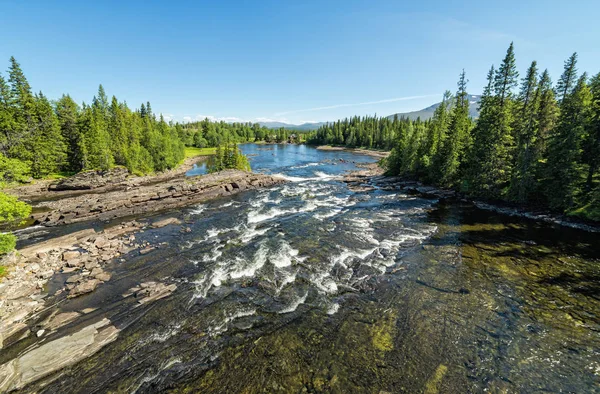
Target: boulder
[(70, 255), (101, 242), (84, 288), (103, 276)]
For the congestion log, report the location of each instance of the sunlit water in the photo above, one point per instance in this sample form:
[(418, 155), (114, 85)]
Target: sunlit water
[(311, 287)]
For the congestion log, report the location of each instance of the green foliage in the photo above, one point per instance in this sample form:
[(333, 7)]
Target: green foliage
[(228, 156), (11, 210), (526, 146), (8, 242), (40, 139), (13, 170)]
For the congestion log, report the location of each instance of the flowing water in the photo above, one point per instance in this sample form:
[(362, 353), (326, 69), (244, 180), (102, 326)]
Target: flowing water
[(312, 287)]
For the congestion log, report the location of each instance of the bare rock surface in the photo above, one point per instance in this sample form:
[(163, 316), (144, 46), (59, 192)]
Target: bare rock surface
[(92, 179), (41, 361), (153, 197), (82, 254)]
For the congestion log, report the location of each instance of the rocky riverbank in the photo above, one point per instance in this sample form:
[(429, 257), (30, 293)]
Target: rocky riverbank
[(368, 152), (372, 176), (97, 181), (139, 198), (81, 256)]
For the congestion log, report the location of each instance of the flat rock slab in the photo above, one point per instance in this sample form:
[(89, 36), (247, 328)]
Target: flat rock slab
[(52, 356)]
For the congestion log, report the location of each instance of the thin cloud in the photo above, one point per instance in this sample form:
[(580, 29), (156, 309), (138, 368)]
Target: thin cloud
[(358, 104)]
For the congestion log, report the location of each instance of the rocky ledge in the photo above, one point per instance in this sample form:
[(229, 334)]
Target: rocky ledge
[(151, 197), (80, 255)]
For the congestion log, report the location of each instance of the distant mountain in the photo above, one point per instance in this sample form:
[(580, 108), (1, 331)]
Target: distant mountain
[(300, 127), (427, 113), (424, 114)]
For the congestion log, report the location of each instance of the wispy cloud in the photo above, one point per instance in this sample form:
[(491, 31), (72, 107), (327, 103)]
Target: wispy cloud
[(232, 119), (391, 100)]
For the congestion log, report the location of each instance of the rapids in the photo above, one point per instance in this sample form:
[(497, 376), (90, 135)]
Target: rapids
[(311, 287)]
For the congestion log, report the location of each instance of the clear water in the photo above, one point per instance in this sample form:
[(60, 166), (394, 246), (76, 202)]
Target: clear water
[(312, 287)]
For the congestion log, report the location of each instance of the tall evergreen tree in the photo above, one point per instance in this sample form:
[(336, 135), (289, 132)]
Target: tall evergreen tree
[(591, 148), (564, 151), (46, 141), (568, 79), (67, 114), (452, 153), (523, 182)]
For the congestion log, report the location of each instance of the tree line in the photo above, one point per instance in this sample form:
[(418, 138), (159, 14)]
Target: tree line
[(207, 133), (534, 142), (39, 137)]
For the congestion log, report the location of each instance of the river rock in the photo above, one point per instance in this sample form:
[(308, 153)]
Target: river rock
[(103, 276), (70, 255), (84, 288), (91, 264), (73, 279), (60, 320), (165, 222), (101, 242)]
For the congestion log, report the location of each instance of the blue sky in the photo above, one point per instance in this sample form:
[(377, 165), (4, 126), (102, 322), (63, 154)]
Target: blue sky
[(292, 61)]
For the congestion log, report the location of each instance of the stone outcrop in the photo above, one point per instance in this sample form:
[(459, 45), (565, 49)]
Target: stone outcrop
[(150, 291), (92, 179), (52, 356), (150, 197), (81, 254)]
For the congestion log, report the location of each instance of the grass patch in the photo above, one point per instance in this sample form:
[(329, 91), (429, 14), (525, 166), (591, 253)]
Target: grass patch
[(3, 271), (190, 151), (589, 211)]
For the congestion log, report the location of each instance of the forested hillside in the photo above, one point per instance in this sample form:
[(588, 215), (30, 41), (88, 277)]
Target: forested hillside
[(534, 142), (40, 137)]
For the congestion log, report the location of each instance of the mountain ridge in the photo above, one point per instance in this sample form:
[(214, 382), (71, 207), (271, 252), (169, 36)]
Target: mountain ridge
[(423, 114)]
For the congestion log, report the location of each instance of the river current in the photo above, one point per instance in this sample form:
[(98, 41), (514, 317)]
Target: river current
[(312, 287)]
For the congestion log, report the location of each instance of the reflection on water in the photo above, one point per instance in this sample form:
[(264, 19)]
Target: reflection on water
[(310, 287)]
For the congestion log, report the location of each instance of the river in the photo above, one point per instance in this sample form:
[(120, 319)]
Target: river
[(313, 287)]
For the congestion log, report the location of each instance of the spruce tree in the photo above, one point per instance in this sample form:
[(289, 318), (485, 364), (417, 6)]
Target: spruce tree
[(568, 79), (564, 151), (591, 147), (67, 114), (46, 141), (436, 131), (523, 182), (452, 153)]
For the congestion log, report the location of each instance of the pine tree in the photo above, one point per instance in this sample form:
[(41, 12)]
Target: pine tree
[(591, 147), (23, 108), (564, 151), (96, 140), (523, 182), (547, 114), (436, 131), (568, 79), (491, 161), (67, 114), (46, 141), (117, 133), (452, 152)]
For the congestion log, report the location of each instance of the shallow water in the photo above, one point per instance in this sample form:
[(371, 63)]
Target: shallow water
[(311, 287)]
